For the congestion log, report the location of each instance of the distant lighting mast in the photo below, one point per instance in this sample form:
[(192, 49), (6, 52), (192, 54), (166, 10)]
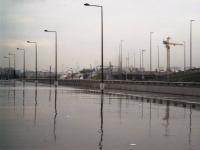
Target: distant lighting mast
[(36, 69), (191, 43), (13, 54), (151, 51), (184, 56), (24, 62)]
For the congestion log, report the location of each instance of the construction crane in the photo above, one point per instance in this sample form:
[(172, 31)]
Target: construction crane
[(168, 44)]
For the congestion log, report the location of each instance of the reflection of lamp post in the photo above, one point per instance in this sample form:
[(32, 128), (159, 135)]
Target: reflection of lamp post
[(101, 127), (8, 65), (36, 77), (102, 79), (55, 115), (24, 61), (56, 76)]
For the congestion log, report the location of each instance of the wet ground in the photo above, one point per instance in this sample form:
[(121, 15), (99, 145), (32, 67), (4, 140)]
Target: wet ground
[(42, 117)]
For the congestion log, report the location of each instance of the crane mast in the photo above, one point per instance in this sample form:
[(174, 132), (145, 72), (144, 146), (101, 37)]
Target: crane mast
[(168, 44)]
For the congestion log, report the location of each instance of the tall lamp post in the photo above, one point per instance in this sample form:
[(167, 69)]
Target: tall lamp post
[(191, 43), (13, 54), (8, 65), (36, 74), (24, 61), (143, 63), (151, 51), (184, 56), (158, 58), (102, 78), (143, 50), (56, 76), (140, 59)]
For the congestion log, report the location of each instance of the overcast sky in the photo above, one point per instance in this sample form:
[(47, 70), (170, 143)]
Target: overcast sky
[(78, 29)]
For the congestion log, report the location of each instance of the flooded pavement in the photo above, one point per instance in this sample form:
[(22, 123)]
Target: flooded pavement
[(42, 117)]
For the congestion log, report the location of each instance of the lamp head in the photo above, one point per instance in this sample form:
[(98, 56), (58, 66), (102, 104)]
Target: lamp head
[(86, 4)]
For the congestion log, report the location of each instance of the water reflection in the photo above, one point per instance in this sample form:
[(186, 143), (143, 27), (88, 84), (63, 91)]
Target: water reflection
[(166, 117), (23, 102), (14, 84), (142, 109), (101, 126), (9, 93), (55, 114), (35, 112), (149, 117), (115, 109), (190, 125), (109, 98), (50, 93), (120, 109)]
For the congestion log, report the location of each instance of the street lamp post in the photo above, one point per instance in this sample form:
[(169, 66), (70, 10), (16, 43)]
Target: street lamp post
[(13, 54), (134, 60), (184, 56), (151, 51), (158, 59), (121, 56), (8, 65), (102, 78), (143, 64), (24, 62), (191, 43), (36, 74), (56, 76), (140, 60), (143, 57)]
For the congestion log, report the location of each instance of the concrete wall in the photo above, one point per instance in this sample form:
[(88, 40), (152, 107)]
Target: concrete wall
[(180, 88)]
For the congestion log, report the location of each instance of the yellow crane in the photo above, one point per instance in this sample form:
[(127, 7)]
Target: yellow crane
[(168, 44)]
